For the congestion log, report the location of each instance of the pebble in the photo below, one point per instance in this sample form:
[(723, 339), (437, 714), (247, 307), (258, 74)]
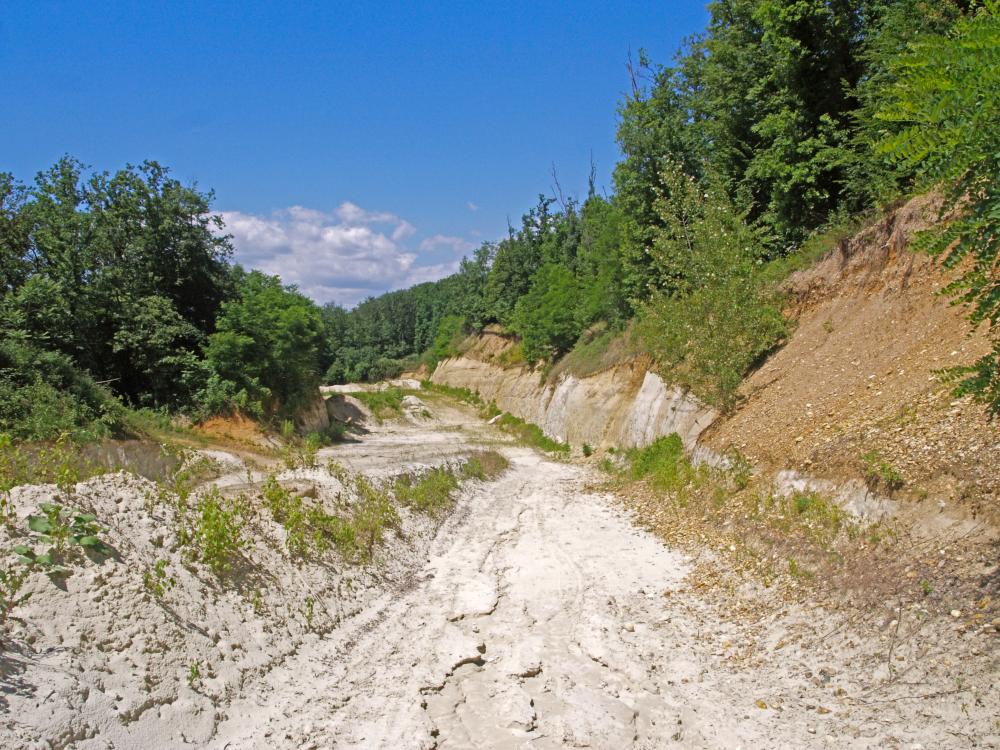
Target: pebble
[(630, 627), (956, 613)]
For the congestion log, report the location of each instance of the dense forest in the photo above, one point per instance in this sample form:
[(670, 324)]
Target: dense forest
[(777, 128)]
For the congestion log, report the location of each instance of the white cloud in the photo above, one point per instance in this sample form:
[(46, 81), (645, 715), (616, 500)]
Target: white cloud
[(472, 206), (445, 242), (342, 257)]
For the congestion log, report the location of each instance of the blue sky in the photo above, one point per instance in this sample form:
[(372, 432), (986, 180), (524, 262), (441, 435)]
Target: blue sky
[(352, 147)]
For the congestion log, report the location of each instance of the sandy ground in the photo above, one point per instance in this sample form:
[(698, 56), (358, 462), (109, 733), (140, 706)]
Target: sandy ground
[(536, 615)]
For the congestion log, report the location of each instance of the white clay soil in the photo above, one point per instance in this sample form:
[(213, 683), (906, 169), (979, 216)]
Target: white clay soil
[(533, 615)]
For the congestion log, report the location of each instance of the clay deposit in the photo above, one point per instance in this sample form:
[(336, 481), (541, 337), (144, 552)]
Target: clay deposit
[(534, 615)]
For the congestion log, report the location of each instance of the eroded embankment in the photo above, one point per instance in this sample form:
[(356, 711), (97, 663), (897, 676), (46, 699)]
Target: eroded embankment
[(856, 386)]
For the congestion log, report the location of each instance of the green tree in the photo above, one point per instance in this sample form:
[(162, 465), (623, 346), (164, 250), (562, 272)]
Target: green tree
[(268, 342), (545, 317), (941, 116)]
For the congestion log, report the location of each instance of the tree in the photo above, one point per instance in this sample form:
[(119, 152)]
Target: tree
[(268, 342), (941, 115)]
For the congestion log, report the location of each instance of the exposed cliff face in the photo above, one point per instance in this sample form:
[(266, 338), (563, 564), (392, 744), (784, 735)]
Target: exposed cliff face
[(625, 406), (857, 377)]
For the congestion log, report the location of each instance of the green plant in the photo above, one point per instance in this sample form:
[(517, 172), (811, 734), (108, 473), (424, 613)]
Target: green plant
[(257, 602), (530, 434), (938, 121), (879, 472), (926, 587), (795, 570), (484, 465), (213, 530), (11, 582), (384, 403), (308, 611), (193, 674), (588, 451), (373, 513), (63, 530), (156, 580), (427, 492)]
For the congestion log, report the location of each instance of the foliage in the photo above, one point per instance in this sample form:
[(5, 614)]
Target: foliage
[(428, 492), (157, 581), (12, 580), (708, 320), (43, 395), (212, 531), (942, 111), (65, 531), (267, 342), (484, 465), (121, 274), (879, 472), (308, 528), (382, 403), (530, 434)]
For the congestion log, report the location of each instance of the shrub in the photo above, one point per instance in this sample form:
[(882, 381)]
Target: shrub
[(530, 434), (484, 465), (427, 492), (213, 530)]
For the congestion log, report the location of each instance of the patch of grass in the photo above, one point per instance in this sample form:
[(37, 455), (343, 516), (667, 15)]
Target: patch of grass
[(308, 528), (459, 394), (156, 580), (880, 473), (12, 581), (484, 465), (60, 463), (373, 513), (428, 492), (511, 357), (383, 404), (530, 434)]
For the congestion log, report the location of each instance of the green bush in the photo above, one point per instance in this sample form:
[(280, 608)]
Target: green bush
[(530, 434), (43, 395), (428, 492), (383, 403)]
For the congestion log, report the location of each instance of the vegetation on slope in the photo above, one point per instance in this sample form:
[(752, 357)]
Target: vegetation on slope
[(770, 130), (765, 141)]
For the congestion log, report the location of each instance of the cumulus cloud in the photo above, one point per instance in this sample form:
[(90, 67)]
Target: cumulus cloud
[(341, 256), (445, 242), (472, 206)]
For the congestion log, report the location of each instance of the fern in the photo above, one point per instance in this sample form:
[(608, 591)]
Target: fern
[(946, 106)]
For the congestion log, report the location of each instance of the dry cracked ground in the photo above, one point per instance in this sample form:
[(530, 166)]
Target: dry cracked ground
[(535, 615)]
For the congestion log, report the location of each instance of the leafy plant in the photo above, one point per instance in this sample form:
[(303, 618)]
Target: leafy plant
[(943, 110), (156, 580), (11, 582), (193, 674), (427, 492), (530, 434), (64, 530), (213, 530)]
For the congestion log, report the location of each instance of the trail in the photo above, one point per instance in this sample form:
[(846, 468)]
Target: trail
[(541, 619)]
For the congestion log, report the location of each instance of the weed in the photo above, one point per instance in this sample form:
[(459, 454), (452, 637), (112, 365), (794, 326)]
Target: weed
[(194, 674), (428, 492), (374, 512), (383, 404), (307, 528), (484, 465), (926, 587), (530, 434), (65, 531), (459, 394), (797, 571), (156, 580), (588, 451), (879, 472), (607, 466), (257, 602), (214, 531), (11, 582), (308, 611)]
